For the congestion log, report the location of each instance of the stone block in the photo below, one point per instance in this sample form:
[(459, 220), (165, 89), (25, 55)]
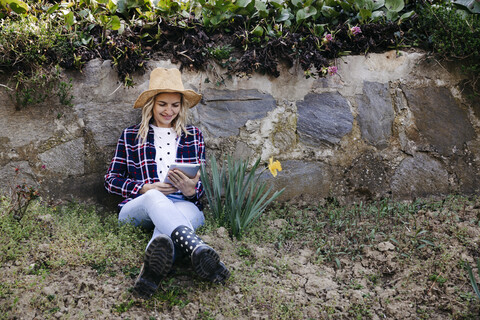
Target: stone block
[(323, 119), (17, 173), (106, 121), (26, 126), (375, 113), (67, 158), (224, 112), (442, 124), (419, 176), (310, 180)]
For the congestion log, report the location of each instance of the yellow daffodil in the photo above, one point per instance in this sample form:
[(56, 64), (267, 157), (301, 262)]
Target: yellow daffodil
[(274, 166)]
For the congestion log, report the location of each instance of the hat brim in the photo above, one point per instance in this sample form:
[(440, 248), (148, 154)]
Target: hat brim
[(190, 97)]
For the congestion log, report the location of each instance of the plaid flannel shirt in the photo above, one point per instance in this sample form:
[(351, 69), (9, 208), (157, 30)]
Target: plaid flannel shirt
[(134, 164)]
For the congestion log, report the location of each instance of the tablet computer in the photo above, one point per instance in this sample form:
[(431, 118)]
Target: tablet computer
[(189, 169)]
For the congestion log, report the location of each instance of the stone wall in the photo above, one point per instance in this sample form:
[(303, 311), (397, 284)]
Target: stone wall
[(386, 125)]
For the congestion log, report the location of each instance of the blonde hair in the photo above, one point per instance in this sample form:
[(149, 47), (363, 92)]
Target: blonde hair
[(178, 124)]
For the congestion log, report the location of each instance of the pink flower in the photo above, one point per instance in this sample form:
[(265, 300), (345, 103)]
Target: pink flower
[(355, 30), (328, 37), (332, 70), (43, 167)]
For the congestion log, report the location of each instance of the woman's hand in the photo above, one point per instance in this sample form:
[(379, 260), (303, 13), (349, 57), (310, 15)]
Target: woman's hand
[(183, 183), (165, 188)]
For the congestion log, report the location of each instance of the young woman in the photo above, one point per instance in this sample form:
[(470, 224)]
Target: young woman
[(141, 163)]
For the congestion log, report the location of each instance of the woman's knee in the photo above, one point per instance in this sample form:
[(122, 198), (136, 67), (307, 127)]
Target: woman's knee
[(191, 212), (152, 196)]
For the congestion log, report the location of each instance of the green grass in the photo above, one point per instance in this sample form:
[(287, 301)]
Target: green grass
[(428, 239), (70, 235)]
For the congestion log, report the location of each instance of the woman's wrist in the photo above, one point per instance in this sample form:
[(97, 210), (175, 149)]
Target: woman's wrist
[(190, 195), (145, 188)]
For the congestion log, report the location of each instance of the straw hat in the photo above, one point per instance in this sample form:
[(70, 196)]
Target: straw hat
[(167, 80)]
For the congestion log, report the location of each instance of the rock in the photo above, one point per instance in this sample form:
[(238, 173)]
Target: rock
[(412, 173), (104, 104), (278, 223), (19, 130), (375, 113), (10, 176), (316, 284), (190, 311), (385, 246), (45, 218), (356, 296), (222, 233), (224, 112), (323, 119), (333, 295), (67, 158), (310, 179), (398, 310), (43, 247), (442, 124)]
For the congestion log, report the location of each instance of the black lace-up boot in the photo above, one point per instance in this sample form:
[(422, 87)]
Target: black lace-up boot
[(156, 265), (205, 260)]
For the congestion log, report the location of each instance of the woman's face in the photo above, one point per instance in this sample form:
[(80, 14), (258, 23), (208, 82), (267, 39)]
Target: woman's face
[(166, 108)]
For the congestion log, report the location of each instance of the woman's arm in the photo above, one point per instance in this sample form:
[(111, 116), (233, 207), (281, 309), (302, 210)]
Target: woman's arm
[(117, 180)]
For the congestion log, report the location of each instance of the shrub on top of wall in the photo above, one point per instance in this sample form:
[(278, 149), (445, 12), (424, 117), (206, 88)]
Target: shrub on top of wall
[(452, 35), (259, 33)]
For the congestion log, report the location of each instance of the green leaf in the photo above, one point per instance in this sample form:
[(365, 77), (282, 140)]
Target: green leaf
[(376, 15), (84, 13), (365, 14), (18, 6), (278, 4), (406, 15), (331, 3), (346, 6), (472, 6), (394, 5), (319, 30), (122, 6), (258, 31), (114, 23), (242, 3), (283, 15), (301, 15), (309, 11), (369, 5), (111, 6), (392, 15), (473, 281), (53, 8), (377, 4), (69, 19), (297, 3), (260, 5), (329, 12)]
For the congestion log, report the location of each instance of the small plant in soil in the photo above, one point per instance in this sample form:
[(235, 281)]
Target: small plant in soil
[(471, 276)]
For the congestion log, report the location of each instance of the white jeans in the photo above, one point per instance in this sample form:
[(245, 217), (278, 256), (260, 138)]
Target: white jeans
[(164, 213)]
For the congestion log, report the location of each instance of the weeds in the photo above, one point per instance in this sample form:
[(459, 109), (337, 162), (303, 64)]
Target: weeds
[(473, 280), (274, 266)]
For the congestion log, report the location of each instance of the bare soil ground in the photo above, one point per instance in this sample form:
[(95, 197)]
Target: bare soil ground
[(382, 261)]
